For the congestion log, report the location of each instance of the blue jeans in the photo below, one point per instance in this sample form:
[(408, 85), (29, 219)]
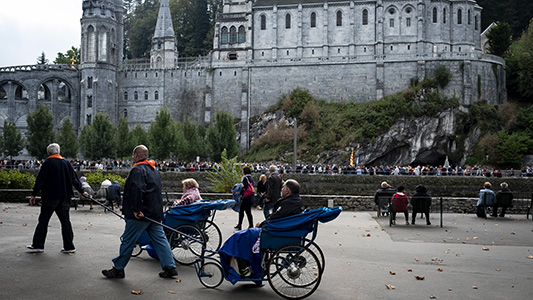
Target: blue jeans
[(267, 208), (132, 233)]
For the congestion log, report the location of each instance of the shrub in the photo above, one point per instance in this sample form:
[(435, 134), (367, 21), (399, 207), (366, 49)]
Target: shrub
[(95, 179), (14, 179), (442, 76)]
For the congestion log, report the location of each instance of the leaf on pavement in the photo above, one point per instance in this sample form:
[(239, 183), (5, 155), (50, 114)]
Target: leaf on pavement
[(392, 273), (409, 270), (136, 292), (418, 277), (178, 280), (432, 297), (485, 249), (475, 287), (439, 269), (390, 287), (171, 292), (530, 256)]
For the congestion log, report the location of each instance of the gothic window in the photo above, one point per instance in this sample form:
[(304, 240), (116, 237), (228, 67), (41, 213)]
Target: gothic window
[(224, 35), (135, 96), (125, 113), (91, 44), (469, 17), (459, 16), (156, 95), (287, 21), (102, 44), (89, 82), (125, 96), (444, 16), (22, 94), (408, 22), (89, 101), (89, 119), (313, 20), (145, 95), (391, 23), (242, 34), (434, 15), (263, 22), (339, 18), (476, 26), (232, 35), (365, 17)]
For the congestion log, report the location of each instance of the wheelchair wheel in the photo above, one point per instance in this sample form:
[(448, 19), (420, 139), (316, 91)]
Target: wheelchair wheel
[(294, 272), (186, 243), (213, 237), (211, 275), (137, 250), (318, 252)]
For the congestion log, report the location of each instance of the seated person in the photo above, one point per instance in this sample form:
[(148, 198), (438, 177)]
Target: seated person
[(88, 189), (383, 196), (113, 194), (486, 198), (191, 193), (241, 250), (504, 199)]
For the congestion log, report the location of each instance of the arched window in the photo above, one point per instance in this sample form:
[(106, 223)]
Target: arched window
[(125, 113), (145, 95), (339, 18), (459, 16), (434, 15), (102, 44), (125, 96), (444, 16), (156, 95), (365, 17), (91, 44), (224, 35), (313, 20), (242, 34), (89, 101), (136, 96), (287, 21), (469, 17), (232, 35), (89, 82), (476, 26), (263, 22)]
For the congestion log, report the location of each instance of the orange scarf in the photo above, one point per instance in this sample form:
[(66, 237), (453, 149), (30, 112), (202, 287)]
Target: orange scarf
[(149, 162), (56, 156)]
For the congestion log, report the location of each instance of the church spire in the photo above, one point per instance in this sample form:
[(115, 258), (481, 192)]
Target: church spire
[(164, 53)]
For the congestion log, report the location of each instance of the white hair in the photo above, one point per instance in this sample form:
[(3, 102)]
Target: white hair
[(53, 149)]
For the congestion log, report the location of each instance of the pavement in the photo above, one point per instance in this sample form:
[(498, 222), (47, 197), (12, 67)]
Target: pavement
[(468, 258)]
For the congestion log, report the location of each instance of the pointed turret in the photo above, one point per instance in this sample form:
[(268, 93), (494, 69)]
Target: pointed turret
[(164, 53)]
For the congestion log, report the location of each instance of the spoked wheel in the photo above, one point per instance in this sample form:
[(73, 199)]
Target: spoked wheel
[(211, 275), (186, 243), (137, 250), (213, 237), (316, 250), (294, 272)]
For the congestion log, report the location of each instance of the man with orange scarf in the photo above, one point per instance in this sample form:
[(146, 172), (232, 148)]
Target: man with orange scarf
[(142, 198), (55, 181)]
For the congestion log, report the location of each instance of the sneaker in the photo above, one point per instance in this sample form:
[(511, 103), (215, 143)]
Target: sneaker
[(34, 250), (113, 273), (168, 273), (68, 251)]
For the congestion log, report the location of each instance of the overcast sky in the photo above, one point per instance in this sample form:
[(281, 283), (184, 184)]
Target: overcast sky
[(29, 27)]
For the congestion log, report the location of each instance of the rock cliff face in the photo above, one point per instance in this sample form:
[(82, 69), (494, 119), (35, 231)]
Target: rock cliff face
[(422, 141)]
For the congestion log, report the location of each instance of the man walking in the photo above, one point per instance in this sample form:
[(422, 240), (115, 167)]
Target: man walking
[(273, 190), (142, 197), (55, 181)]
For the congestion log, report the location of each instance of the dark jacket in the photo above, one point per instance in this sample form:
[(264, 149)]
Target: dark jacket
[(504, 198), (383, 196), (142, 192), (261, 187), (421, 202), (287, 206), (113, 192), (273, 187), (56, 179)]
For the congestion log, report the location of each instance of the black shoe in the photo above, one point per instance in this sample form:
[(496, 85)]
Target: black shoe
[(237, 227), (168, 273), (113, 273), (428, 223)]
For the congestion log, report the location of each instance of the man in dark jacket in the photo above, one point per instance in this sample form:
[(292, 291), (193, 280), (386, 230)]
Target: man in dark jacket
[(273, 190), (142, 198), (289, 204), (421, 202), (55, 181), (504, 199)]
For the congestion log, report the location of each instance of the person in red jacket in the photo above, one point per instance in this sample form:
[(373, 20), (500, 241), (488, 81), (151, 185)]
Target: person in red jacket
[(399, 204)]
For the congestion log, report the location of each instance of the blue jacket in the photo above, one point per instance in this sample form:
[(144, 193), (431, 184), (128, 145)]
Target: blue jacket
[(56, 179), (486, 197)]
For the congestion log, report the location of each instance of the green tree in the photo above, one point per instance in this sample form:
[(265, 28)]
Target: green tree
[(194, 143), (499, 39), (227, 175), (42, 60), (67, 58), (522, 55), (12, 140), (98, 140), (68, 140), (139, 136), (40, 131), (162, 135), (222, 136), (125, 141), (512, 148), (140, 27)]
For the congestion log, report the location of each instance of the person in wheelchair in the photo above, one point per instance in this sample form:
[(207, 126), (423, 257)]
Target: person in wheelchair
[(241, 250)]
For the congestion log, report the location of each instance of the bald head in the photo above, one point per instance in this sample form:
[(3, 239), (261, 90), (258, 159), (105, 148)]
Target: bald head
[(140, 152)]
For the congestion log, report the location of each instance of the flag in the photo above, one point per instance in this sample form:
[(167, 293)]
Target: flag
[(357, 159), (351, 159)]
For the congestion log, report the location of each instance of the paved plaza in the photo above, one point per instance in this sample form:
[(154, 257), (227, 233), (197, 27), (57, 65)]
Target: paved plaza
[(469, 258)]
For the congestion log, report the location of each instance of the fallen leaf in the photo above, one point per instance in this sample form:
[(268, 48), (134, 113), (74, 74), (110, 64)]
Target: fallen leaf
[(496, 225), (392, 273), (416, 259), (439, 269), (409, 270), (498, 270), (432, 297), (419, 277), (444, 241), (335, 232), (171, 292), (530, 256), (178, 280), (434, 259), (513, 233), (476, 238), (450, 289), (457, 255), (24, 224), (136, 292), (340, 244), (390, 287), (485, 249), (475, 287), (368, 234)]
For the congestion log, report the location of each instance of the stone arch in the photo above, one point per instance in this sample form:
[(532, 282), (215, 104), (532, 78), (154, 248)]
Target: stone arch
[(64, 90), (20, 92)]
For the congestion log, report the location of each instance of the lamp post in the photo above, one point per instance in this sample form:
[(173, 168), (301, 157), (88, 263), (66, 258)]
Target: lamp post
[(294, 145)]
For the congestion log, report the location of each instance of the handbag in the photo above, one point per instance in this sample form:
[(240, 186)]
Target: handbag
[(249, 190)]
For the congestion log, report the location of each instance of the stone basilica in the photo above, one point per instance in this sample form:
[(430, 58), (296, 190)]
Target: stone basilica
[(338, 50)]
